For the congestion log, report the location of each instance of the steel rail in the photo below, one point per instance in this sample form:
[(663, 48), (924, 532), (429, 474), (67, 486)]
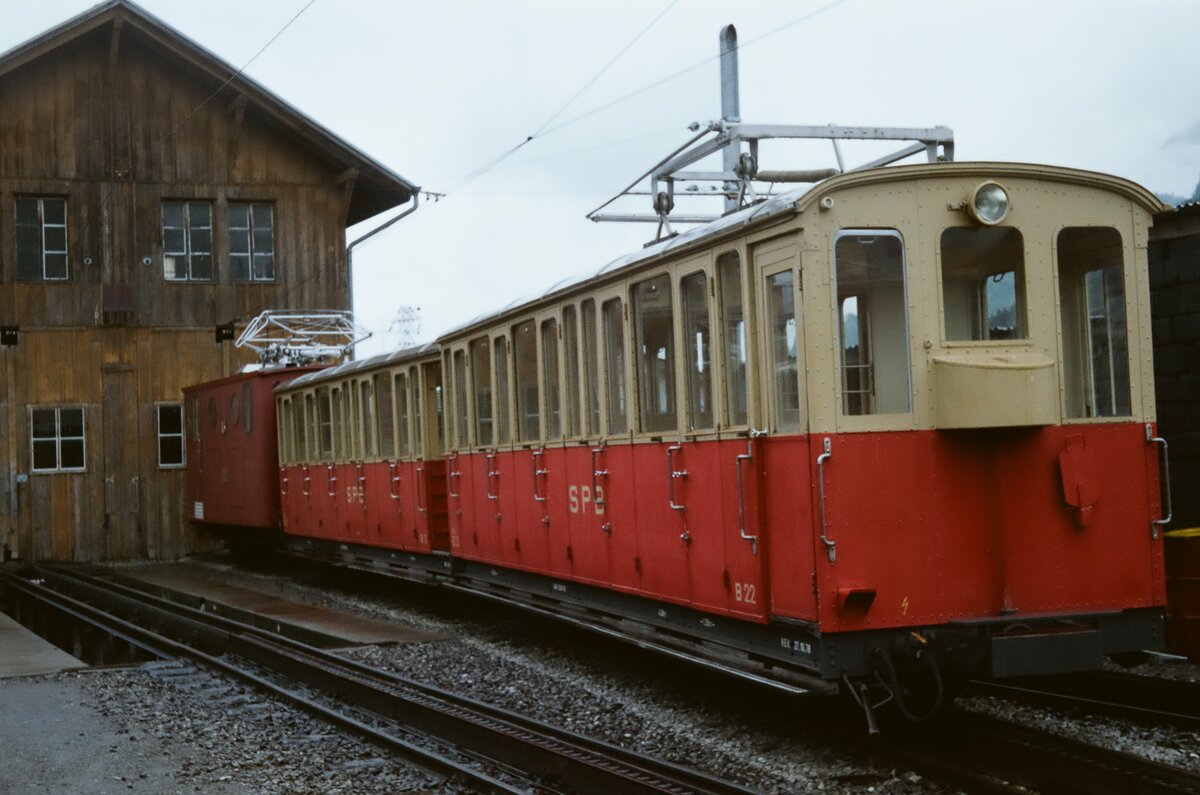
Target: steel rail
[(1137, 698), (506, 739)]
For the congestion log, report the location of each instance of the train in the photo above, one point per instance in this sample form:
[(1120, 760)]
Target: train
[(871, 436)]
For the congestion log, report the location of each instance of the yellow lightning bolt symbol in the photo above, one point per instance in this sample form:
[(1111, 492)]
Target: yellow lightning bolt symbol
[(904, 606)]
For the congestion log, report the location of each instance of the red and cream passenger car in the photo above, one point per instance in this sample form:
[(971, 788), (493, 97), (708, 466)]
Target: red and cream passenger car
[(895, 426)]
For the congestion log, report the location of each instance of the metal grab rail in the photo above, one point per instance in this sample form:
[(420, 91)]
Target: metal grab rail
[(741, 459), (830, 544), (305, 481), (331, 480), (393, 481), (492, 474), (283, 481), (424, 509), (540, 472), (1168, 509), (598, 501), (453, 474), (672, 475), (362, 485)]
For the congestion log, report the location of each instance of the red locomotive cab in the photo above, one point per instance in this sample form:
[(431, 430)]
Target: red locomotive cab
[(232, 481)]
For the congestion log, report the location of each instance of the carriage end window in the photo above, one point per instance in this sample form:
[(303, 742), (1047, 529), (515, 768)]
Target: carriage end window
[(983, 283), (872, 323), (1091, 284)]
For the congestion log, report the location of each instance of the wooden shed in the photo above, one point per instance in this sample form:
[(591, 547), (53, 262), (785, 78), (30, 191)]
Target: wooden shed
[(148, 195)]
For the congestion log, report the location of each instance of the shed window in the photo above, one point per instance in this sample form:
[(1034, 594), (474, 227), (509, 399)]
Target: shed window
[(57, 439), (654, 336), (501, 360), (525, 360), (733, 330), (983, 283), (697, 340), (1091, 284), (872, 323), (187, 241), (591, 366), (481, 382), (170, 435), (251, 242), (614, 359), (41, 239)]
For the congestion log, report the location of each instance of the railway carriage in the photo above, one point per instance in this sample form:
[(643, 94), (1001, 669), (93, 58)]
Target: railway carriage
[(884, 431)]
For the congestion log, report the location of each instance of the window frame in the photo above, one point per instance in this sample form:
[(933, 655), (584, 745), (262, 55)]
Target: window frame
[(251, 254), (159, 435), (58, 438), (41, 252), (187, 230)]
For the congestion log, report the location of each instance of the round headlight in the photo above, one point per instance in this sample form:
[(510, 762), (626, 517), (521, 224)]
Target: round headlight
[(989, 204)]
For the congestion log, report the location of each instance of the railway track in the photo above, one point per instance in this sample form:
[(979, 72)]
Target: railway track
[(1126, 696), (470, 744)]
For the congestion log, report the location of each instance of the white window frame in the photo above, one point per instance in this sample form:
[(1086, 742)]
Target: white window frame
[(58, 440), (159, 435)]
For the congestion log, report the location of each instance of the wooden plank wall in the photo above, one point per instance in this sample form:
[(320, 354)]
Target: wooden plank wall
[(112, 134)]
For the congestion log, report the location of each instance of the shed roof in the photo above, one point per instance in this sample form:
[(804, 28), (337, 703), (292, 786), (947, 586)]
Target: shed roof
[(377, 187)]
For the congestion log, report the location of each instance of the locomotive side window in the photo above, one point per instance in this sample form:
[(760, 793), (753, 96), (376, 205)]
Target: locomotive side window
[(324, 426), (401, 392), (654, 338), (872, 327), (614, 359), (283, 431), (550, 371), (460, 400), (591, 366), (501, 358), (784, 374), (983, 283), (481, 382), (733, 329), (574, 424), (525, 360), (698, 350), (247, 408), (385, 407), (1091, 284)]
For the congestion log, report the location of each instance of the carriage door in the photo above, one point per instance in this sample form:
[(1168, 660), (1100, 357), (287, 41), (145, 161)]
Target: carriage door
[(785, 495)]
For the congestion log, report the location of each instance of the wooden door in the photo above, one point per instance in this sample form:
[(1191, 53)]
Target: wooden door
[(122, 528)]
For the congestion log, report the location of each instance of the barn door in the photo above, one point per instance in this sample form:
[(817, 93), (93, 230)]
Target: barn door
[(122, 533)]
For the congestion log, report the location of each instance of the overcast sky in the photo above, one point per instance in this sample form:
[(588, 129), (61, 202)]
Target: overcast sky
[(439, 88)]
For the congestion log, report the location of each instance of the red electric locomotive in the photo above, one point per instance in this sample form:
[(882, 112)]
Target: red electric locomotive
[(883, 432)]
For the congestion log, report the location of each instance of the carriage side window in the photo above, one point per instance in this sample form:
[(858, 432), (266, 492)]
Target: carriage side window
[(187, 241), (417, 402), (983, 283), (654, 338), (304, 423), (698, 350), (614, 359), (591, 366), (251, 242), (872, 323), (460, 400), (574, 423), (41, 239), (550, 369), (401, 396), (733, 329), (481, 382), (525, 360), (369, 436), (283, 431), (324, 425), (501, 358), (300, 423), (784, 374), (385, 409), (57, 439), (170, 435), (1091, 285), (338, 424)]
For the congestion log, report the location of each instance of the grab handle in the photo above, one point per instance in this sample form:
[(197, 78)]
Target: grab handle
[(830, 544), (393, 481), (1168, 509), (741, 459), (673, 475)]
